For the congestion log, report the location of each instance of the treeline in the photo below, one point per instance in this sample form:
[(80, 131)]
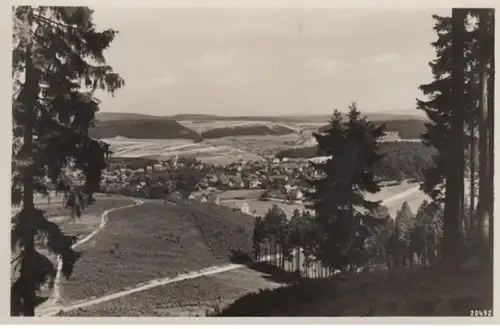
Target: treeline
[(402, 160), (247, 130), (407, 128), (405, 241)]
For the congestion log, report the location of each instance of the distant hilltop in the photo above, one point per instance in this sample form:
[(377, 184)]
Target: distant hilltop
[(198, 127), (105, 116)]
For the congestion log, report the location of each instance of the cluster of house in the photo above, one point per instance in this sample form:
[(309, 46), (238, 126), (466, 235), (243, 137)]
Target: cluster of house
[(281, 180)]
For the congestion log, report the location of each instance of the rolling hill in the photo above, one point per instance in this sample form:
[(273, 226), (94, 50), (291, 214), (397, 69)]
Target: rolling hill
[(225, 139), (105, 116), (112, 116), (143, 128), (288, 118), (156, 240), (190, 126)]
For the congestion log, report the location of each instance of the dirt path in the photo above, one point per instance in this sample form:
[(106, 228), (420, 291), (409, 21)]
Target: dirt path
[(400, 196), (56, 293), (51, 311)]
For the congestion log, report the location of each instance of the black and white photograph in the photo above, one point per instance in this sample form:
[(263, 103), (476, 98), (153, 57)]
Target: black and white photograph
[(252, 161)]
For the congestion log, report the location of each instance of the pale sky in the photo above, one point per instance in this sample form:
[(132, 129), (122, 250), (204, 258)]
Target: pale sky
[(265, 61)]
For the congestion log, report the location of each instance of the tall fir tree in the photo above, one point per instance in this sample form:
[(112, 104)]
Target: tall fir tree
[(450, 117), (454, 152), (484, 36), (58, 64), (338, 197)]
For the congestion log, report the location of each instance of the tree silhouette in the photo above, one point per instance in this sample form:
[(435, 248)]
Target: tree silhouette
[(379, 223), (53, 108), (463, 77), (338, 197), (274, 222), (258, 237)]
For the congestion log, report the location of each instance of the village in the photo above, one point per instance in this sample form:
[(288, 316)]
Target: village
[(284, 180)]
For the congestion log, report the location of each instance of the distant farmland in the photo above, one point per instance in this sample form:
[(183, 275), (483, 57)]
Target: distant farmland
[(162, 149)]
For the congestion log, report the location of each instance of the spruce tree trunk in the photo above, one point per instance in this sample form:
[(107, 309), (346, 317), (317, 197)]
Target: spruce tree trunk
[(491, 125), (472, 160), (265, 252), (484, 166), (276, 253), (455, 156), (282, 260), (26, 287), (426, 252), (268, 252), (298, 260)]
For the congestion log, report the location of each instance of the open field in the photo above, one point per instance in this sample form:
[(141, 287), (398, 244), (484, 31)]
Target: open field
[(267, 144), (156, 240), (238, 137), (204, 126), (164, 149), (222, 150), (240, 194)]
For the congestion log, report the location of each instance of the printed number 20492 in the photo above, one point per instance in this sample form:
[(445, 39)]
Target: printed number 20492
[(481, 313)]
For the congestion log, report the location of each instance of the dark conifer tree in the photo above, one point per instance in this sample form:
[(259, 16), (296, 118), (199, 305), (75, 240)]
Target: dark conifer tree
[(58, 63), (338, 197)]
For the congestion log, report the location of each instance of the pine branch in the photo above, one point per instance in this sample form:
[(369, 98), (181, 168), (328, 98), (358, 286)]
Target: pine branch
[(49, 22)]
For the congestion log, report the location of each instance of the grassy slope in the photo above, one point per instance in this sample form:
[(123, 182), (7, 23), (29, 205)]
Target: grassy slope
[(188, 298), (80, 227), (91, 217), (406, 292), (156, 240)]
